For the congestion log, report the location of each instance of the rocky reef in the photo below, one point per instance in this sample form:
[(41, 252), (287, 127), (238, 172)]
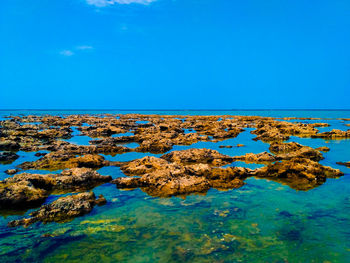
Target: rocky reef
[(174, 173), (160, 177), (298, 173), (28, 190), (62, 210)]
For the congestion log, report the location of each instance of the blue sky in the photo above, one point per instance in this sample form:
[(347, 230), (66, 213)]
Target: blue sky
[(174, 54)]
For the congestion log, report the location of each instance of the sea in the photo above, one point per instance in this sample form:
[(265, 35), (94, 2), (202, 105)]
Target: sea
[(263, 221)]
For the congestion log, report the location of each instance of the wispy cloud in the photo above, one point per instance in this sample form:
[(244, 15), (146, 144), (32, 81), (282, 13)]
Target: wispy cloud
[(85, 47), (67, 53), (75, 50), (102, 3)]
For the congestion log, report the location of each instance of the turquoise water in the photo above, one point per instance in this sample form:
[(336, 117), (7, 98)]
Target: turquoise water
[(264, 221)]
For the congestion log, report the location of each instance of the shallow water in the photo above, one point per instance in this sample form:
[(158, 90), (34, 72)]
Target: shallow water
[(264, 221)]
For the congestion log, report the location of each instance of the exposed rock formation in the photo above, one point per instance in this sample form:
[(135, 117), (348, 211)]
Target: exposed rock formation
[(286, 151), (298, 173), (62, 210), (347, 164), (8, 157), (191, 156), (158, 177), (62, 160), (26, 190), (334, 134)]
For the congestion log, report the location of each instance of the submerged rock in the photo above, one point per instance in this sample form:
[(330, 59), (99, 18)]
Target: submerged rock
[(62, 210)]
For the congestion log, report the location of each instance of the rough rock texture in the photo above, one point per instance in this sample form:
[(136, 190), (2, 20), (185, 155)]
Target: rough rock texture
[(347, 164), (263, 157), (286, 151), (8, 157), (271, 131), (323, 149), (26, 190), (62, 210), (298, 173), (158, 177), (18, 194), (62, 160), (7, 145), (334, 134), (11, 171), (190, 156)]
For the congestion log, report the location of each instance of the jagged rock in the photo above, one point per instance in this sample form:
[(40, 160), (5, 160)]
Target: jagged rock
[(62, 210), (347, 164), (334, 134), (25, 190), (11, 171), (323, 149), (190, 156), (19, 194), (8, 157), (263, 157), (161, 178), (298, 173), (62, 160), (7, 145), (155, 146), (144, 165), (272, 131), (286, 151)]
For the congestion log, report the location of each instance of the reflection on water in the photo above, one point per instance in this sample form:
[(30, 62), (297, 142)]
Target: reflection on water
[(264, 221)]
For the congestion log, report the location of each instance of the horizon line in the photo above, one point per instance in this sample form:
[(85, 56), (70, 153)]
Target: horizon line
[(56, 109)]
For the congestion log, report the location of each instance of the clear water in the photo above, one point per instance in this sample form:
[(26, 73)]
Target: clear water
[(263, 221)]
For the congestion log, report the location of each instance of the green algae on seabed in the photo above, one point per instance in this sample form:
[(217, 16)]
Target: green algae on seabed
[(263, 221)]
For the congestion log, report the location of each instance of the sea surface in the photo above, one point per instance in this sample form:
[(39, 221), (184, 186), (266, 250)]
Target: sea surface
[(263, 221)]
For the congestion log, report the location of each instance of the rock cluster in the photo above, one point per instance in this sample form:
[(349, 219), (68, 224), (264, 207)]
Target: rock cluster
[(298, 173), (182, 173), (174, 173), (62, 210), (27, 190)]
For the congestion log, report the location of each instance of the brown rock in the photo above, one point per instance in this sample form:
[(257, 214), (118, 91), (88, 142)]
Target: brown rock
[(323, 149), (26, 190), (347, 164), (263, 157), (298, 173), (334, 134), (286, 151), (157, 177), (8, 157), (62, 210), (61, 160), (190, 156)]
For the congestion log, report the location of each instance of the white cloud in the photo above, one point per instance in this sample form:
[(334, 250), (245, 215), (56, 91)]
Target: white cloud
[(85, 47), (102, 3), (67, 53)]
